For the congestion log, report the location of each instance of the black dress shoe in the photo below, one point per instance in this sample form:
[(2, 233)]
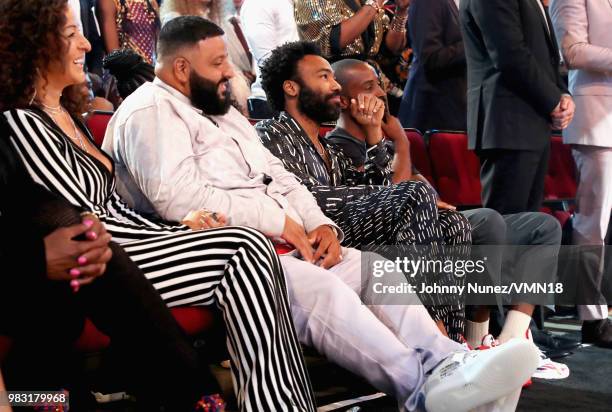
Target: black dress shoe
[(547, 342), (597, 332)]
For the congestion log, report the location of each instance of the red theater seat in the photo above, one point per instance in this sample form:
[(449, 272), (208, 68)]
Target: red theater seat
[(326, 128), (96, 123), (456, 169), (419, 155)]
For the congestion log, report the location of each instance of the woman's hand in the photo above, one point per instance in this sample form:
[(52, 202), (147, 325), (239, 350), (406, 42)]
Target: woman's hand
[(78, 261), (204, 219)]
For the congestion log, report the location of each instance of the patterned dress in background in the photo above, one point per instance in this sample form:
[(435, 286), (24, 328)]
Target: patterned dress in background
[(138, 25)]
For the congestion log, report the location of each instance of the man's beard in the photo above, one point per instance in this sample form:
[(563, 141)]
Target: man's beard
[(205, 95), (317, 107)]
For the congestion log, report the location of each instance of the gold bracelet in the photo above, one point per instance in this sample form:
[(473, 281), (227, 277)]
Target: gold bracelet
[(398, 24), (374, 4)]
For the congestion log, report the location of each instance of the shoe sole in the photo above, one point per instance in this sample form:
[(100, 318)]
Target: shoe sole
[(502, 370)]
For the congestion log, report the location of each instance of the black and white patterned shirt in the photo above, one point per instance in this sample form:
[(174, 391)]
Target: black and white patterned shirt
[(286, 139)]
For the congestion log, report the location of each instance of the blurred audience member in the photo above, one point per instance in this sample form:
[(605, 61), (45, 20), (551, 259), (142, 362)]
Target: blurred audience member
[(583, 32), (237, 46), (92, 31), (266, 25), (364, 31), (344, 28), (105, 87), (82, 100), (435, 95), (132, 24), (515, 95), (129, 69)]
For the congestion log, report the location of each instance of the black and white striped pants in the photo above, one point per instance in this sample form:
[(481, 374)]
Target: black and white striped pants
[(237, 269), (407, 214)]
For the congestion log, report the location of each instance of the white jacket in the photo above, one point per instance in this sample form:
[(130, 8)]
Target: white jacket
[(584, 31), (171, 159)]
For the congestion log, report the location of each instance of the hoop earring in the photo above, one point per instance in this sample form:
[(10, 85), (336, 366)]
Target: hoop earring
[(33, 97)]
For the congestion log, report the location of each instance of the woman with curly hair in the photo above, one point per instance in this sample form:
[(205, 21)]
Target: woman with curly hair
[(42, 290), (234, 268)]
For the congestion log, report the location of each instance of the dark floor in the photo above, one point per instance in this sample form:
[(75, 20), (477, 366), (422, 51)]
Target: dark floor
[(588, 388)]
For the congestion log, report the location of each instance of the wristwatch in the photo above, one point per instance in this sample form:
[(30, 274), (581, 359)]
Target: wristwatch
[(373, 4)]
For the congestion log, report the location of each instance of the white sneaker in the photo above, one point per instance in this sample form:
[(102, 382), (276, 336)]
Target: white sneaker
[(549, 369), (506, 404), (466, 380)]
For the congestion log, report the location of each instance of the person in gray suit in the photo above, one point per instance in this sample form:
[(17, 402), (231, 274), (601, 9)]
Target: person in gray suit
[(583, 32)]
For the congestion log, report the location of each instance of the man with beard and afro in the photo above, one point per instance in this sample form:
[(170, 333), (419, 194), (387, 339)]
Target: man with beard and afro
[(361, 199), (181, 150)]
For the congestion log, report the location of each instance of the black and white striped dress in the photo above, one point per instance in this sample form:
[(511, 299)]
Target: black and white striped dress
[(235, 268)]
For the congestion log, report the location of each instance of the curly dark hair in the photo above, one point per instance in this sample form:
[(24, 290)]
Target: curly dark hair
[(130, 70), (30, 38), (280, 66)]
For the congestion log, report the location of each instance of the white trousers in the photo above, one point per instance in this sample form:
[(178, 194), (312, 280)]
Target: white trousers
[(392, 346), (594, 204)]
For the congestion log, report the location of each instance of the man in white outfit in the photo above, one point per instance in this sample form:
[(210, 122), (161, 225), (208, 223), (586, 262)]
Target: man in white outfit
[(179, 147), (583, 29)]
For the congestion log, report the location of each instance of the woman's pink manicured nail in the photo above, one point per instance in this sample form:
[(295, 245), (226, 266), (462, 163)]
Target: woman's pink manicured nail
[(88, 222), (75, 272), (92, 235), (82, 260), (74, 284)]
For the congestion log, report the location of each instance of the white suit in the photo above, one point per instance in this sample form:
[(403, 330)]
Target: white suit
[(584, 31)]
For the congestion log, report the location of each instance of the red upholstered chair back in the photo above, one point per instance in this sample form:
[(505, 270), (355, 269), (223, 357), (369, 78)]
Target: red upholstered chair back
[(560, 180), (326, 128), (419, 155), (96, 123), (456, 170)]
